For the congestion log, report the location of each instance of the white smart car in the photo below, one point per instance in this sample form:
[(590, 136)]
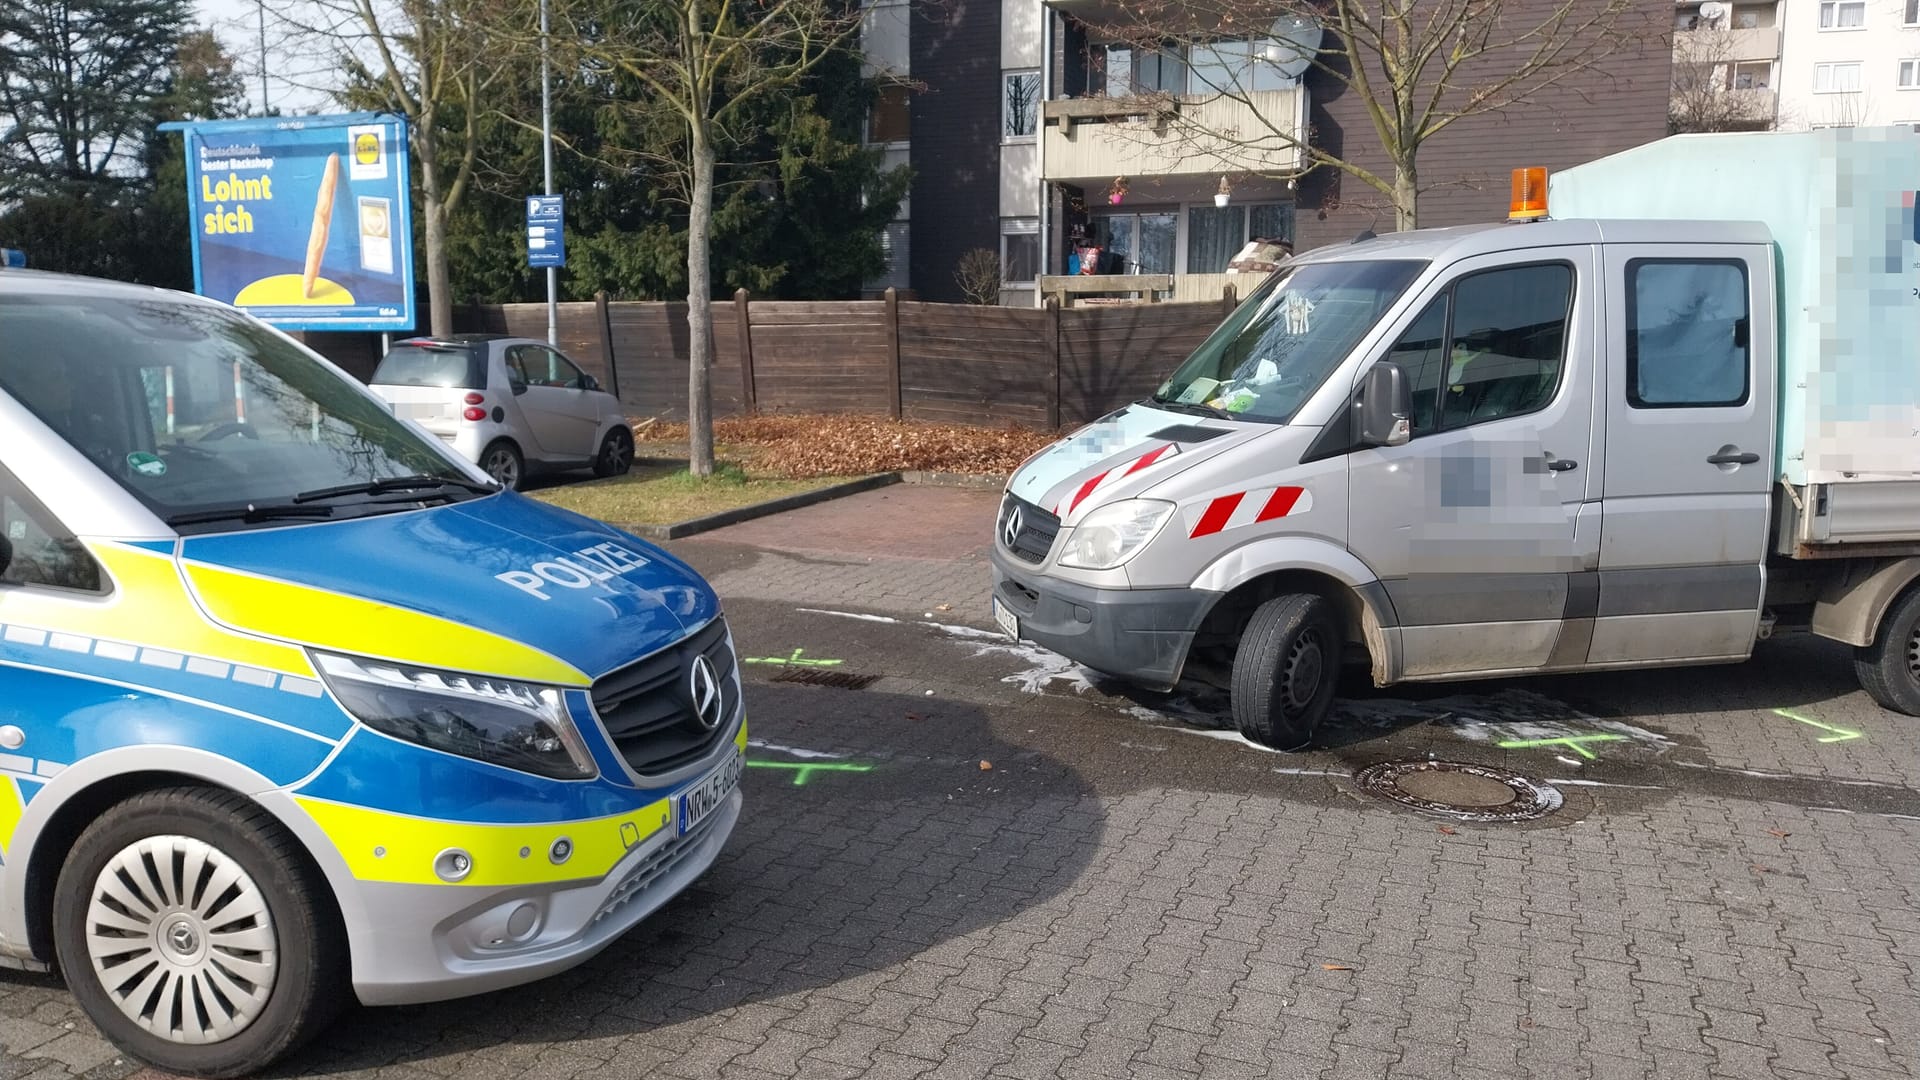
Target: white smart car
[(513, 406)]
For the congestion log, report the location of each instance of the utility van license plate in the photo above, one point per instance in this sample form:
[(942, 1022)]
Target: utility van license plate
[(1009, 622), (709, 792)]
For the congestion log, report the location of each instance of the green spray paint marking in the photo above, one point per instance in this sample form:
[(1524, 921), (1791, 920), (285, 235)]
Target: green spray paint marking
[(1840, 734), (793, 660), (1572, 742), (803, 770)]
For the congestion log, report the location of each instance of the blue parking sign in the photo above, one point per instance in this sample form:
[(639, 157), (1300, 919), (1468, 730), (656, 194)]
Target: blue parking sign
[(546, 232)]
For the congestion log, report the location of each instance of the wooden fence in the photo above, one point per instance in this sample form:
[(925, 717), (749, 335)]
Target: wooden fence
[(952, 363)]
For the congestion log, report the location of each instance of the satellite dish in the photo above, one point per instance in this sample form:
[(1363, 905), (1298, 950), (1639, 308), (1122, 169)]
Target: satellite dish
[(1296, 41), (1713, 11)]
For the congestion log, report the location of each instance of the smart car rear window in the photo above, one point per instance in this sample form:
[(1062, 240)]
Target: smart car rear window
[(452, 366)]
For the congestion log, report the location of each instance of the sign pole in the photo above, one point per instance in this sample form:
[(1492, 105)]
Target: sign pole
[(546, 149)]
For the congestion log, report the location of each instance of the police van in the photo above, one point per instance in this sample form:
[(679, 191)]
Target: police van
[(294, 703)]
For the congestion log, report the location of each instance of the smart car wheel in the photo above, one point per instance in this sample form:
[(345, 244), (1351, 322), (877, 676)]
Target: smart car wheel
[(502, 461), (616, 453), (1285, 671), (195, 936)]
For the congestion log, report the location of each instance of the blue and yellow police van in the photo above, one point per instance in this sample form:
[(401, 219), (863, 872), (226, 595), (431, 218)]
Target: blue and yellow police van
[(296, 705)]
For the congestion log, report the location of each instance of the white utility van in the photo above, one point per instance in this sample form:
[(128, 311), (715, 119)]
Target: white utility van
[(1678, 414)]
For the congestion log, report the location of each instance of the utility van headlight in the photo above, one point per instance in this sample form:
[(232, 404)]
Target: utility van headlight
[(515, 725), (1113, 534)]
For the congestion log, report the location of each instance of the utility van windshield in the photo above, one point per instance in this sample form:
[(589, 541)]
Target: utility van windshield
[(210, 419), (1279, 346)]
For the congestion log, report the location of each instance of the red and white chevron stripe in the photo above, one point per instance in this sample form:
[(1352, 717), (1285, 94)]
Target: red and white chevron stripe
[(1249, 507), (1113, 476)]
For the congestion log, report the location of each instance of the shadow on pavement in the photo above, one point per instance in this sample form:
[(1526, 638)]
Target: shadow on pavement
[(824, 880)]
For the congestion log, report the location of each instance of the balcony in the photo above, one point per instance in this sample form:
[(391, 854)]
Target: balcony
[(1093, 140), (1727, 46)]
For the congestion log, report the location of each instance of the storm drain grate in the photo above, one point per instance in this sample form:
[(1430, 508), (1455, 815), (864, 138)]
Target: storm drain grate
[(1459, 790), (839, 680)]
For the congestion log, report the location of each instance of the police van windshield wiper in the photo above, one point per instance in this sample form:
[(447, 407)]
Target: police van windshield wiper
[(416, 482), (1194, 407), (252, 512)]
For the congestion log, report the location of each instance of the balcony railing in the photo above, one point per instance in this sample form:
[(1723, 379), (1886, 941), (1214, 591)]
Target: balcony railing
[(1169, 135)]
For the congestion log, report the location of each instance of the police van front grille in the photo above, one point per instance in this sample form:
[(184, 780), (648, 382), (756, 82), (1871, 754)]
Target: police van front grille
[(647, 706), (1037, 530)]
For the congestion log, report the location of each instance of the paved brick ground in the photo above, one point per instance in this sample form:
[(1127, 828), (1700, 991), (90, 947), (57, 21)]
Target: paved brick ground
[(1118, 897)]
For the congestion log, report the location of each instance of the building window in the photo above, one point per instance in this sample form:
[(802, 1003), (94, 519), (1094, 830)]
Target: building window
[(1132, 70), (1019, 104), (1236, 67), (1910, 74), (1836, 78), (1843, 14), (1757, 75), (1019, 251), (887, 121), (1215, 235), (1910, 16)]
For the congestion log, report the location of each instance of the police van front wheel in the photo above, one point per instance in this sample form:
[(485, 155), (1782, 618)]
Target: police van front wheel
[(193, 933), (1285, 670)]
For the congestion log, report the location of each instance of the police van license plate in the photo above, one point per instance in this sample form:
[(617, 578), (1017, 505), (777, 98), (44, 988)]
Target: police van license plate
[(709, 792), (1009, 622)]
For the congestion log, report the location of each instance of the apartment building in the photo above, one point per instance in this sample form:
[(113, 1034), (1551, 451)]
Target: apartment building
[(1037, 131), (1849, 63), (1793, 65)]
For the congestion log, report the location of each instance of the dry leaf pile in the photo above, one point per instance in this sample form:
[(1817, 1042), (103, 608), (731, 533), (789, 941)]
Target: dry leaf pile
[(805, 446)]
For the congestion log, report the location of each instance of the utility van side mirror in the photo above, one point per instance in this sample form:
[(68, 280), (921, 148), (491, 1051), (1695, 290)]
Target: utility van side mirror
[(1385, 406)]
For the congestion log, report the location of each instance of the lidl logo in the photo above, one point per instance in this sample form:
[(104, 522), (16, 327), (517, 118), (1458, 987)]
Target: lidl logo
[(366, 148)]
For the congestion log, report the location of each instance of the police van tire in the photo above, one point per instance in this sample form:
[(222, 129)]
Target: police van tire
[(1285, 670), (1889, 669), (235, 841), (503, 461)]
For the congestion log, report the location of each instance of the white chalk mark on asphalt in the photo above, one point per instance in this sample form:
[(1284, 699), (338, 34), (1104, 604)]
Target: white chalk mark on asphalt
[(1607, 784), (791, 751)]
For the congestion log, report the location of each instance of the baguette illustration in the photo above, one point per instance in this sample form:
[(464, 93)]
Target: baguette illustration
[(322, 221)]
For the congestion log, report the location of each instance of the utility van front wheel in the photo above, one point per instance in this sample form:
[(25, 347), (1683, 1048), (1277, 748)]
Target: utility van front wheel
[(195, 937), (1285, 670), (1889, 669)]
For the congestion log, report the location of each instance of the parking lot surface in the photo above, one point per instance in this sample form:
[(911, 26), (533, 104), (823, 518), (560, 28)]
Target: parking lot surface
[(963, 857)]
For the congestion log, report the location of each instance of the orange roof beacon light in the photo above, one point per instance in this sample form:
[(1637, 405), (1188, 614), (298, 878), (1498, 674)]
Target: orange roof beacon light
[(1529, 195)]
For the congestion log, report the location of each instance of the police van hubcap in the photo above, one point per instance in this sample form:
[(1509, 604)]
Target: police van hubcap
[(181, 939)]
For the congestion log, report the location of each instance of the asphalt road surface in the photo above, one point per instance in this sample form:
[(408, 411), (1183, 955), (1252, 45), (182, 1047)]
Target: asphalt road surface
[(964, 857)]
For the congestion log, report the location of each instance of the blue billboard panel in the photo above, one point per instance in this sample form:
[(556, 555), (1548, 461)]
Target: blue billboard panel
[(304, 221)]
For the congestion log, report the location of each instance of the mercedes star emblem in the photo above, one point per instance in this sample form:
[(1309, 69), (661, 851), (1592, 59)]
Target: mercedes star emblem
[(704, 686), (1015, 521)]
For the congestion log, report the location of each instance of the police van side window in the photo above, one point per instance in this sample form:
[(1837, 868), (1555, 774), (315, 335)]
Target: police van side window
[(43, 553)]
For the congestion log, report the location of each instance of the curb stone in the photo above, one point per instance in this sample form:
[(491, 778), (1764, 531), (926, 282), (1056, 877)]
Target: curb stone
[(693, 526)]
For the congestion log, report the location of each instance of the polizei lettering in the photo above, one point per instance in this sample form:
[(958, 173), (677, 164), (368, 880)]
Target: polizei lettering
[(578, 570)]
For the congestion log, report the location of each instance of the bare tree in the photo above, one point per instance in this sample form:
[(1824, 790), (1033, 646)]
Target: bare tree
[(435, 62), (1708, 94), (703, 62), (1417, 67), (978, 276)]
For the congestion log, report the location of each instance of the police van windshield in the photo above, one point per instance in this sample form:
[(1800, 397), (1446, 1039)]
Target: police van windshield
[(1279, 346), (210, 419)]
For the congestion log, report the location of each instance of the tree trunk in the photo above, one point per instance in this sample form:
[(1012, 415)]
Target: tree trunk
[(700, 310), (434, 226), (1406, 197)]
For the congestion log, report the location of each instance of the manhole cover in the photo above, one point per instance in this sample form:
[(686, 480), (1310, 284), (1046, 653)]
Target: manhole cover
[(1458, 790), (839, 680)]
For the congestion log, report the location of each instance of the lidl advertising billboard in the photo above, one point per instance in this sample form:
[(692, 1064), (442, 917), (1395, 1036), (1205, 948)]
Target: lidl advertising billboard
[(303, 221)]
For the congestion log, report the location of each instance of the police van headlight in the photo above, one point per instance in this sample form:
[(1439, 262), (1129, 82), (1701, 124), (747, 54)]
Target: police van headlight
[(1113, 534), (515, 725)]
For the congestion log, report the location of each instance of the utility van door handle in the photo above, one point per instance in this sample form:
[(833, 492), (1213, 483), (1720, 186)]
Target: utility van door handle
[(1733, 457), (1562, 464)]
